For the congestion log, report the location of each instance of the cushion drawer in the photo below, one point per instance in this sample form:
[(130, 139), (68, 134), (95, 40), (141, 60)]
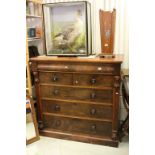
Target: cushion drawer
[(77, 109), (78, 125), (95, 80), (55, 78), (78, 67), (68, 93)]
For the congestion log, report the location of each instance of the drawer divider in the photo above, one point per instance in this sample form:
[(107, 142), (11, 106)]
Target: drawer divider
[(77, 117)]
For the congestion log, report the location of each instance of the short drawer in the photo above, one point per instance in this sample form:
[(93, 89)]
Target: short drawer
[(94, 80), (55, 78), (78, 125), (77, 109), (83, 94)]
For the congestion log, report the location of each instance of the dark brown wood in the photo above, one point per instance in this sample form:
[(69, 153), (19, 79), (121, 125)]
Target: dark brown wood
[(47, 59), (77, 109), (107, 30), (93, 80), (76, 93), (75, 86), (55, 78), (37, 86), (75, 125), (93, 139), (124, 127), (79, 117), (75, 101), (115, 107), (78, 98), (76, 67)]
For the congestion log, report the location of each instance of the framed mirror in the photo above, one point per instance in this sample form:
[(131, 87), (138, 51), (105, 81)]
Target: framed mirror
[(32, 133)]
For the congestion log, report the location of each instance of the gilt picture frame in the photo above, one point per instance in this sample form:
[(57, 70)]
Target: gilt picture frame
[(67, 28)]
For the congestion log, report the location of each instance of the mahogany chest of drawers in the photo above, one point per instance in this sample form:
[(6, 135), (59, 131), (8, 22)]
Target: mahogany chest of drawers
[(78, 98)]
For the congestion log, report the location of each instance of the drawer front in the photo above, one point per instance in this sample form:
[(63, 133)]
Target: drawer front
[(78, 125), (96, 80), (77, 109), (81, 67), (83, 94), (55, 78)]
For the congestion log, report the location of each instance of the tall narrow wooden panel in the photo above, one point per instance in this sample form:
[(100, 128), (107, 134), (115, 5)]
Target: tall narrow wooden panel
[(107, 30)]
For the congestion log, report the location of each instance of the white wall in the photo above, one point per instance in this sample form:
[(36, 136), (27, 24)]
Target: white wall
[(122, 28)]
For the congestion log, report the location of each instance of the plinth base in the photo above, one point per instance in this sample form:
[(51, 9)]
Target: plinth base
[(102, 55)]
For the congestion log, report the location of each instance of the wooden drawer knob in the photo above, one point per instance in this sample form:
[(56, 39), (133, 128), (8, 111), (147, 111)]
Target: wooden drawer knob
[(56, 92), (55, 78), (93, 111), (76, 81), (93, 96), (40, 125), (66, 67), (58, 123), (93, 80), (99, 68), (57, 108), (93, 127)]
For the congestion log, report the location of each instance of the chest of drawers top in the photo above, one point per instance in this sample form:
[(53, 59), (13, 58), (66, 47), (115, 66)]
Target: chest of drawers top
[(117, 59), (77, 64)]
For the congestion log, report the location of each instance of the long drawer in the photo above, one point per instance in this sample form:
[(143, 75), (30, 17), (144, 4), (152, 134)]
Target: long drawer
[(68, 93), (77, 125), (77, 109), (78, 67)]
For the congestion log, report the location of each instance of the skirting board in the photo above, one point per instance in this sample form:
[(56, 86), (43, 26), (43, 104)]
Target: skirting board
[(78, 137)]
